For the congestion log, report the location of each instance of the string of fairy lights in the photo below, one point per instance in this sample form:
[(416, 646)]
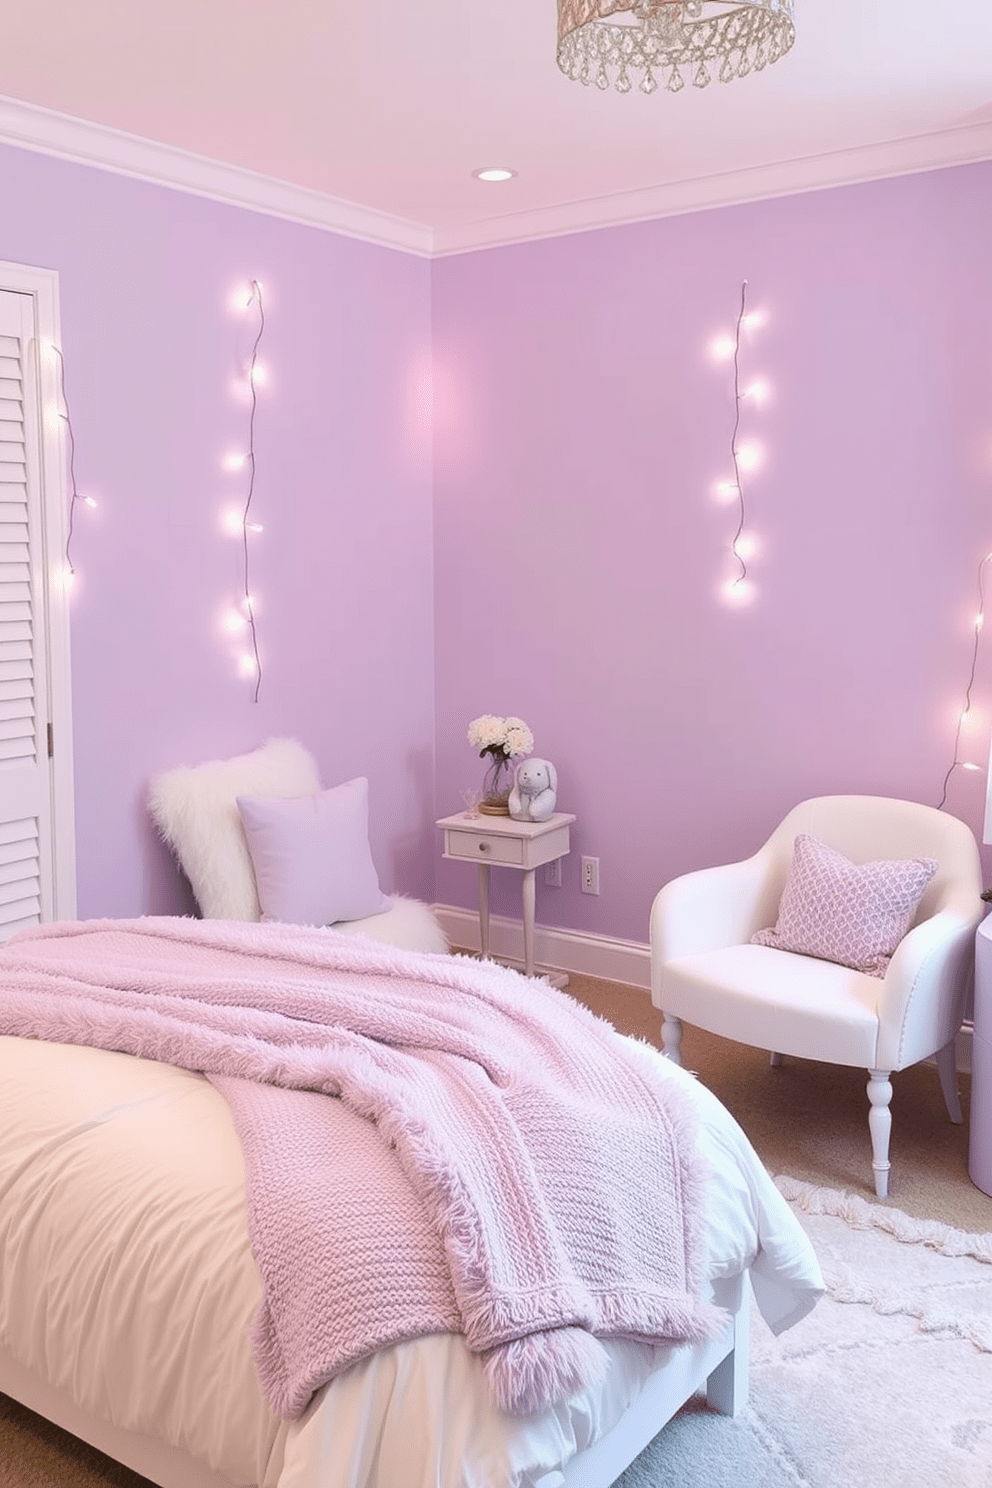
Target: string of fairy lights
[(243, 618), (64, 415), (957, 763), (739, 588), (240, 619), (742, 546), (744, 457), (735, 453)]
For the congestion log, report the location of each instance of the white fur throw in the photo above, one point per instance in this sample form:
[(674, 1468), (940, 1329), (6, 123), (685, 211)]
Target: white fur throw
[(194, 807), (407, 923)]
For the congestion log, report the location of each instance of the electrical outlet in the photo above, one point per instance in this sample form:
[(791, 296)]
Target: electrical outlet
[(590, 875), (552, 874)]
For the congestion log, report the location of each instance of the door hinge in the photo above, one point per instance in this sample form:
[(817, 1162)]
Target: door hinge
[(51, 742)]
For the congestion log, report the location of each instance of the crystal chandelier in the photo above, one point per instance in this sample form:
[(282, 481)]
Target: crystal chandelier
[(670, 40)]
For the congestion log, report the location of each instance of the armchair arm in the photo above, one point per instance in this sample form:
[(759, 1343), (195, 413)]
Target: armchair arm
[(923, 993), (711, 908)]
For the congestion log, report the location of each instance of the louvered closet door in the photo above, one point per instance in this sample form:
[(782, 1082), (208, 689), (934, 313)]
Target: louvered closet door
[(26, 824)]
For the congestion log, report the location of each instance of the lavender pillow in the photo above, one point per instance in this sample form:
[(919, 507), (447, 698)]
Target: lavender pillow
[(311, 855), (852, 913)]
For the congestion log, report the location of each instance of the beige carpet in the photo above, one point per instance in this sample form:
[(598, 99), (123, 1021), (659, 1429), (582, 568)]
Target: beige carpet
[(807, 1120), (34, 1454)]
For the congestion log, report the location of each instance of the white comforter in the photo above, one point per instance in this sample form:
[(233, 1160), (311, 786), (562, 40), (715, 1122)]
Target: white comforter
[(127, 1282)]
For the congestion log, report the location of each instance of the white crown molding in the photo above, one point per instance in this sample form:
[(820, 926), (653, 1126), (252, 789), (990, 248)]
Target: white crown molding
[(625, 961), (51, 133), (758, 183)]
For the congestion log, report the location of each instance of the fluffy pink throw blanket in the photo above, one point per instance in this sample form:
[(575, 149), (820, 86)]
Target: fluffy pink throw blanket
[(539, 1173)]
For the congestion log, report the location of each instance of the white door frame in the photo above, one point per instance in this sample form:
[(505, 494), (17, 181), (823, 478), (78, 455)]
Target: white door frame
[(49, 567)]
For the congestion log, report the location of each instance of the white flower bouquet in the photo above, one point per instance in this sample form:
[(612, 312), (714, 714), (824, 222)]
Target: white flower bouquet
[(509, 737), (504, 739)]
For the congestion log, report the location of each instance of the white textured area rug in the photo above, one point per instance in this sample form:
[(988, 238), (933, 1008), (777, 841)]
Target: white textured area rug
[(888, 1382)]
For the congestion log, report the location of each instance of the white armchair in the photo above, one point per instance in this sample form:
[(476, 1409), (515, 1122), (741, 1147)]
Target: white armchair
[(704, 969)]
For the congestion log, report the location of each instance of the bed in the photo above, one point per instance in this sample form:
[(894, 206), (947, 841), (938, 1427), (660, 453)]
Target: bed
[(118, 1323)]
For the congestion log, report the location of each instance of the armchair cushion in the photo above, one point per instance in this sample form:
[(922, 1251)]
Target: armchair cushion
[(854, 914), (773, 999)]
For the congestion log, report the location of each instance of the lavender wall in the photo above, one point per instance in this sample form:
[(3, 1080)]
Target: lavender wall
[(342, 572), (581, 424)]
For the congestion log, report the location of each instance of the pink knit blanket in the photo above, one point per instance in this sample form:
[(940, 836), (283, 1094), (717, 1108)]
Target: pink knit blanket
[(519, 1173)]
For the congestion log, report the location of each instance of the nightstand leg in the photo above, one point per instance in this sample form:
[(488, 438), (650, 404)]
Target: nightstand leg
[(529, 900), (484, 909)]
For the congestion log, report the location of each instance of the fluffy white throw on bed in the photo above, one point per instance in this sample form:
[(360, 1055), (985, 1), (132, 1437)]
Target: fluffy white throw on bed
[(545, 1171)]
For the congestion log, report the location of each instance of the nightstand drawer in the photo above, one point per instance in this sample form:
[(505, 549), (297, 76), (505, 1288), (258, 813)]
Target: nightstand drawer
[(484, 847)]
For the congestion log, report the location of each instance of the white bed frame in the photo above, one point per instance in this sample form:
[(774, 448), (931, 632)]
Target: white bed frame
[(721, 1367)]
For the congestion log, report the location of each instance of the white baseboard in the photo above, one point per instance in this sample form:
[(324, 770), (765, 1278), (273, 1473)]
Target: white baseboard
[(625, 961)]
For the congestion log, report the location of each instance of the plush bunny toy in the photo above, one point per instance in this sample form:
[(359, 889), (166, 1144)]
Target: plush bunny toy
[(533, 795)]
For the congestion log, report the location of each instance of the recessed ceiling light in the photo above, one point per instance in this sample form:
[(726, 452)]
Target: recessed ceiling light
[(494, 173)]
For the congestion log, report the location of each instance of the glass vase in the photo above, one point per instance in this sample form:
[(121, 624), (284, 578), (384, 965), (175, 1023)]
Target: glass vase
[(496, 787)]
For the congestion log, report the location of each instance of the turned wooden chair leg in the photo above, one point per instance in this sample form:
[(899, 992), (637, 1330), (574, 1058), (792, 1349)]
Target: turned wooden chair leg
[(880, 1125), (671, 1038), (947, 1070)]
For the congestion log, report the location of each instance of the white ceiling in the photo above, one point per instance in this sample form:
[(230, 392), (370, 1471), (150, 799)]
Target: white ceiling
[(390, 107)]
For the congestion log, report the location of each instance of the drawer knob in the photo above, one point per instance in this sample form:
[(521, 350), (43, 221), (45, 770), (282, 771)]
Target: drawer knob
[(483, 846)]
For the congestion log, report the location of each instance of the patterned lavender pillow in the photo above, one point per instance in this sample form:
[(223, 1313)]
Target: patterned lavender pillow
[(852, 913)]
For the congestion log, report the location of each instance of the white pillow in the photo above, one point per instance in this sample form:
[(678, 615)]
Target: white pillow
[(311, 855), (195, 809)]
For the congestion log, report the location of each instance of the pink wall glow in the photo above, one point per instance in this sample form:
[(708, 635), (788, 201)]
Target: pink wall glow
[(580, 425), (342, 572)]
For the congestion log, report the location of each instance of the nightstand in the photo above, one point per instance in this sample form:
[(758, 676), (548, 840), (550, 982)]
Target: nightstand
[(485, 840)]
